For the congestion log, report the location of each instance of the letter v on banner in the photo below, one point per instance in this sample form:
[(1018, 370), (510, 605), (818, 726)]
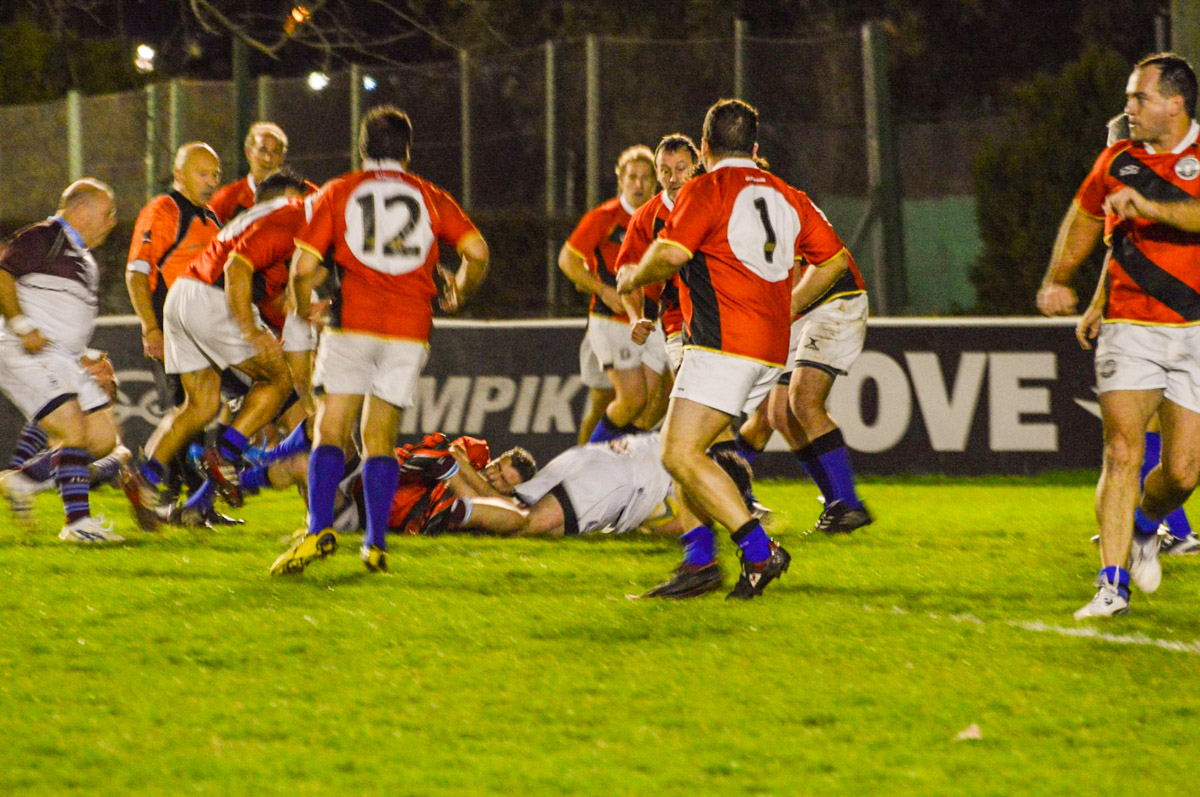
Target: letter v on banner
[(947, 418)]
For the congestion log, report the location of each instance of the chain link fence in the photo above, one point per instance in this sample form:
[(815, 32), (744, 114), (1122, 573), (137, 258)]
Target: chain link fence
[(509, 135)]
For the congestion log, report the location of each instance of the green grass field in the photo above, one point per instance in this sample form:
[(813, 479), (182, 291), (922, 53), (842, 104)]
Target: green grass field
[(175, 665)]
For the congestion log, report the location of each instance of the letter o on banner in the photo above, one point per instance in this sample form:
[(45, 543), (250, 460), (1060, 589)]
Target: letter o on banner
[(894, 411)]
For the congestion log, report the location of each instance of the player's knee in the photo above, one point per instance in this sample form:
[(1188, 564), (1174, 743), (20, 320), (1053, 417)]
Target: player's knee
[(1122, 452)]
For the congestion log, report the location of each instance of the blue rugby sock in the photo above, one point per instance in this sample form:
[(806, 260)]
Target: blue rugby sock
[(812, 466), (1178, 523), (1119, 576), (153, 471), (754, 542), (31, 440), (231, 443), (202, 497), (71, 476), (834, 459), (380, 475), (40, 468), (104, 470), (699, 547), (325, 468), (606, 430), (743, 447), (1151, 454), (1142, 524), (255, 478), (296, 442)]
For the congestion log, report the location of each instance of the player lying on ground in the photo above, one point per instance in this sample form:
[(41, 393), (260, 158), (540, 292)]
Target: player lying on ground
[(618, 486)]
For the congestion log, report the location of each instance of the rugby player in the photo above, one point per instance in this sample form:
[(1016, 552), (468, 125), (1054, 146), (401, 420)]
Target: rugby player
[(589, 260), (1146, 353), (49, 297), (213, 322), (266, 148), (382, 225), (735, 233)]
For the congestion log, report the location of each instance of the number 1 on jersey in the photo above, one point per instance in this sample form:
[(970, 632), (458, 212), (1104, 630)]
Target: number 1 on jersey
[(769, 246)]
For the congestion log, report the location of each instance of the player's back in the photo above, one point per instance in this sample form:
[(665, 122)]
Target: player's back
[(379, 229)]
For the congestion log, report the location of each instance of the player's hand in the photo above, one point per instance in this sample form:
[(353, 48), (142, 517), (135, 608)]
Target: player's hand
[(102, 371), (612, 298), (33, 341), (1088, 327), (318, 312), (152, 344), (639, 333), (450, 301), (1127, 203), (266, 346), (1054, 299)]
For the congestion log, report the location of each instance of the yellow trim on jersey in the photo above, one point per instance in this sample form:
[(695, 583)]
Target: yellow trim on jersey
[(1079, 207), (575, 251), (690, 254), (310, 249), (815, 305), (1139, 323), (375, 335), (739, 356), (236, 256), (831, 257), (466, 239)]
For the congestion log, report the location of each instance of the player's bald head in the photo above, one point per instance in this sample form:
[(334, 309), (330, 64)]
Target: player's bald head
[(84, 191), (193, 150)]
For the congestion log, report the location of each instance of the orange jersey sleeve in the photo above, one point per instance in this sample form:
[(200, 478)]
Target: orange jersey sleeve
[(154, 233)]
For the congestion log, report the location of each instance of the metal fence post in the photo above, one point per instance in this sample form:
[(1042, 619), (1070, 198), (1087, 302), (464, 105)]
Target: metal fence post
[(241, 104), (174, 111), (739, 59), (151, 157), (355, 114), (889, 284), (263, 98), (465, 95), (74, 136), (593, 122), (551, 184)]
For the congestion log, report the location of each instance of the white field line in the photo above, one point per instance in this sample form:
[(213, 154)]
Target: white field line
[(1085, 632)]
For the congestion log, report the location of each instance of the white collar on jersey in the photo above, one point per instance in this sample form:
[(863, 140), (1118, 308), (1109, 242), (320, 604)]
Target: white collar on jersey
[(72, 234), (670, 203), (741, 163), (251, 183), (382, 165), (1192, 134), (630, 209)]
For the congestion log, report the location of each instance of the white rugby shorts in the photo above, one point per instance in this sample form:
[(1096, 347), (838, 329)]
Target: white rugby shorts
[(199, 331), (1137, 357), (590, 372), (724, 382), (654, 352), (33, 381), (830, 337), (359, 364), (674, 345), (613, 343), (298, 334)]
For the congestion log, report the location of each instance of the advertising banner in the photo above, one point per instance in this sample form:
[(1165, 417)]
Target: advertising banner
[(953, 396)]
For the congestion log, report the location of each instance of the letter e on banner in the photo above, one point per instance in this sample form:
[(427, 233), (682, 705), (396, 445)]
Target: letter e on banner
[(1008, 400)]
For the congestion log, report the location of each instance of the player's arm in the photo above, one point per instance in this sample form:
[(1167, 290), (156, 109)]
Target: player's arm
[(303, 275), (31, 339), (1077, 236), (239, 297), (1088, 327), (575, 267), (1127, 203), (817, 279), (462, 284), (662, 260)]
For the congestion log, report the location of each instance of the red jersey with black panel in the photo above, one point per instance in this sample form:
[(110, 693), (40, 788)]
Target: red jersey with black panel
[(597, 239), (380, 228), (744, 228), (265, 238), (1154, 274), (643, 227)]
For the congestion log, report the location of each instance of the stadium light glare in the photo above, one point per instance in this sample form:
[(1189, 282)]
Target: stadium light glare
[(143, 60), (369, 83), (300, 14), (317, 80)]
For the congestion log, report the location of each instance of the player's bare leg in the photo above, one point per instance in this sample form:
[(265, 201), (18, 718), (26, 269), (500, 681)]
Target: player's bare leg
[(598, 399)]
